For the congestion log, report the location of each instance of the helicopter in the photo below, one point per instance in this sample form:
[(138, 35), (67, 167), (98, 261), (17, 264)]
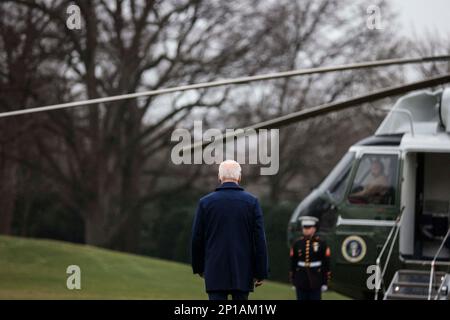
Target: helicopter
[(398, 179), (407, 218)]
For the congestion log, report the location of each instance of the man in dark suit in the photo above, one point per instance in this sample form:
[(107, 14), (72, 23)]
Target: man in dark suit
[(228, 241)]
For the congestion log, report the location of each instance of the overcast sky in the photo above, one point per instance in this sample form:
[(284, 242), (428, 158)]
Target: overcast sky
[(423, 15)]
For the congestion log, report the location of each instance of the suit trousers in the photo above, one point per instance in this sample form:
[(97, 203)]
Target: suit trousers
[(309, 294), (223, 295)]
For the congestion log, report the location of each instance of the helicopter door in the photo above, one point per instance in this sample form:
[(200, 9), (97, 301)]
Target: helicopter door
[(432, 205), (371, 202), (366, 214)]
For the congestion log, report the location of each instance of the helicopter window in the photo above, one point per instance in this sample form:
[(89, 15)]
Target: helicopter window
[(376, 180), (336, 181)]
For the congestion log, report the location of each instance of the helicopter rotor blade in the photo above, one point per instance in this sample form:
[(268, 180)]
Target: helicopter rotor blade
[(327, 108), (235, 81)]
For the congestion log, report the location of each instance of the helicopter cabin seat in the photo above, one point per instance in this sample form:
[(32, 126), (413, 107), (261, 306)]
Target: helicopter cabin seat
[(434, 221)]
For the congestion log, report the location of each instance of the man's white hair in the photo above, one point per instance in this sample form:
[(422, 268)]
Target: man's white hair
[(229, 169)]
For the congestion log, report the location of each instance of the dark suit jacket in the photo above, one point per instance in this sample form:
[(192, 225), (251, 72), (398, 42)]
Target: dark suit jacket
[(228, 239)]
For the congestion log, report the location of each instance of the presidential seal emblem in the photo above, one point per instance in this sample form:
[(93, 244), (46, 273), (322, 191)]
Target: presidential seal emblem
[(354, 249)]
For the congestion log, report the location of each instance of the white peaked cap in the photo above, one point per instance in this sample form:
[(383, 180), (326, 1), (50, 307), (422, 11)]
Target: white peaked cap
[(308, 221)]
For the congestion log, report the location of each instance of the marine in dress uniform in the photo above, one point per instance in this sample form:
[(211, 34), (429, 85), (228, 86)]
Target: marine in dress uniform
[(310, 262)]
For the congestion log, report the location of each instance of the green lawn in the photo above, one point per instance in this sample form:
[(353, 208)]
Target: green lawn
[(36, 269)]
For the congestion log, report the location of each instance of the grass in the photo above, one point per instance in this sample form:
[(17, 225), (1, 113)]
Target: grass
[(36, 269)]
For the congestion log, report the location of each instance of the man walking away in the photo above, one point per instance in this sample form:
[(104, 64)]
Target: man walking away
[(229, 247)]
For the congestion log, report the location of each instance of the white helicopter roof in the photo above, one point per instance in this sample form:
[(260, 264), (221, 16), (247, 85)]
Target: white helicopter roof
[(438, 142), (422, 112), (423, 118), (417, 112)]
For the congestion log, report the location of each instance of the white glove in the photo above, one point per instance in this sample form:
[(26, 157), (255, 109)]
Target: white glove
[(324, 288)]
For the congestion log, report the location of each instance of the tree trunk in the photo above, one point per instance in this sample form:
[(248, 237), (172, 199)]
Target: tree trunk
[(102, 232), (8, 192), (112, 218), (95, 232)]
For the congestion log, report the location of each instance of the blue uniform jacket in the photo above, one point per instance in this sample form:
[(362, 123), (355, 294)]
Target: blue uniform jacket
[(228, 240)]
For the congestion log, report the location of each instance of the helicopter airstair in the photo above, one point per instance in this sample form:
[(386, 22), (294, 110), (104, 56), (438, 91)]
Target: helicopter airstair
[(415, 285), (412, 284)]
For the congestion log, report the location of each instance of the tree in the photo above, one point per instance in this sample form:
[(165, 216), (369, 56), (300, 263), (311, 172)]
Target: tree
[(313, 34), (24, 79), (99, 155)]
